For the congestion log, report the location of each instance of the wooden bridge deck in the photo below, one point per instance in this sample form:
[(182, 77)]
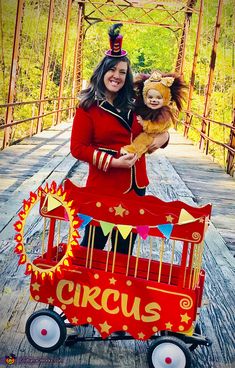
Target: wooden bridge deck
[(178, 172)]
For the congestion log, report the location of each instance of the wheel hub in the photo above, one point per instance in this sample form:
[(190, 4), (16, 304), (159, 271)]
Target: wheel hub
[(168, 354), (168, 360)]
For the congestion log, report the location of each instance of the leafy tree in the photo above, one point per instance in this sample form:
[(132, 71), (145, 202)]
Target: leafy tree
[(149, 47)]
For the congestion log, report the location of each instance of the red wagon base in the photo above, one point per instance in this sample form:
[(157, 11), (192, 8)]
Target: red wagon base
[(46, 330), (154, 294)]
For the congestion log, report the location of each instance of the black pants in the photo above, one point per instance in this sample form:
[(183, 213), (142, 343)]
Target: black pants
[(100, 239)]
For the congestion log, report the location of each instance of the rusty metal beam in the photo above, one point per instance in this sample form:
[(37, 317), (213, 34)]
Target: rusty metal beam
[(77, 63), (2, 61), (193, 74), (45, 64), (135, 22), (14, 70), (183, 6), (230, 158), (17, 122), (62, 76), (98, 12), (181, 54), (206, 125)]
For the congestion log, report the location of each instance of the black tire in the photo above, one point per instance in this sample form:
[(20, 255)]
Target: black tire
[(168, 351), (197, 331), (45, 330)]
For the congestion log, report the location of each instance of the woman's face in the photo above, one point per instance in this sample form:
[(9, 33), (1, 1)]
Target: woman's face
[(114, 78)]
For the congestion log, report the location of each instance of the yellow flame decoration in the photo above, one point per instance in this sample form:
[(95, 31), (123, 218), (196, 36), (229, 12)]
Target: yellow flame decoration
[(59, 195)]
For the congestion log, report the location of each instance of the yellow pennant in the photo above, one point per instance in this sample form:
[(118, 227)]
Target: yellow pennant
[(124, 230), (52, 203), (106, 227), (185, 217)]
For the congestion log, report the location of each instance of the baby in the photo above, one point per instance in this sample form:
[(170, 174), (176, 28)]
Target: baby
[(153, 106)]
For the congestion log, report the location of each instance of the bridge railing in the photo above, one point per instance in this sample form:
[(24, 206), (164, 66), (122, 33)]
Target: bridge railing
[(56, 70), (197, 123), (35, 123)]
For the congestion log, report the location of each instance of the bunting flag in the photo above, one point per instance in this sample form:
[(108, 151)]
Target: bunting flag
[(85, 219), (124, 230), (52, 203), (166, 229), (66, 217), (106, 227), (143, 231), (185, 217)]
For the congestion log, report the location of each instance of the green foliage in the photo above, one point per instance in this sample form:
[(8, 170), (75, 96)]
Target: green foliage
[(149, 47), (221, 101)]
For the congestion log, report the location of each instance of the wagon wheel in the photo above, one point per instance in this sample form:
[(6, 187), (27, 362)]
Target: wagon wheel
[(61, 313), (169, 352), (197, 331), (45, 330)]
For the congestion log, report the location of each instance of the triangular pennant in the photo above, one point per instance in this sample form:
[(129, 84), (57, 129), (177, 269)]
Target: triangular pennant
[(106, 227), (52, 203), (143, 231), (166, 229), (66, 217), (124, 230), (85, 219), (185, 217)]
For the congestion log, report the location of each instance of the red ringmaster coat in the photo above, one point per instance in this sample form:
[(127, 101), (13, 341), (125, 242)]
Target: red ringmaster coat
[(98, 134)]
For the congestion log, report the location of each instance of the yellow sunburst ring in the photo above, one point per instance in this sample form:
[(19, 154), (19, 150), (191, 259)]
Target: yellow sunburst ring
[(74, 222)]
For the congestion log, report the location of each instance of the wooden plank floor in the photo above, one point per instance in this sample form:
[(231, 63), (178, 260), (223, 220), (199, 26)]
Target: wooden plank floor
[(208, 182), (173, 175), (26, 166)]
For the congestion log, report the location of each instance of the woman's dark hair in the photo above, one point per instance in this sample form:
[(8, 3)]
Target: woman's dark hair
[(96, 89)]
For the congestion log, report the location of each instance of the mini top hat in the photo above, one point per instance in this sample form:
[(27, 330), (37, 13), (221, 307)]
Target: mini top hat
[(115, 40)]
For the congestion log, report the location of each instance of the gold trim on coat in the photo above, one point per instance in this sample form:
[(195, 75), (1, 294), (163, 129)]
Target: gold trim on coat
[(106, 165), (95, 157), (101, 159)]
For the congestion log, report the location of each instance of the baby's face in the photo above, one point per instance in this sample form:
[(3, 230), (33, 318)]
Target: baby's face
[(154, 99)]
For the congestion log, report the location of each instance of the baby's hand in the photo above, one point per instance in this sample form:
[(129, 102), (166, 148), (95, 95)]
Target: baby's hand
[(140, 120)]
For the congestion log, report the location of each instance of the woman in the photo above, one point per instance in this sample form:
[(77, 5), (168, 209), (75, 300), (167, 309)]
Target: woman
[(103, 124)]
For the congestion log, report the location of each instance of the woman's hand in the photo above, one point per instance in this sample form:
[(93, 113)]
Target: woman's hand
[(158, 141), (124, 162)]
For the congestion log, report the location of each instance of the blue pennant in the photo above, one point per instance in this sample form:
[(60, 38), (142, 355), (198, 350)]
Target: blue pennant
[(166, 229), (85, 220)]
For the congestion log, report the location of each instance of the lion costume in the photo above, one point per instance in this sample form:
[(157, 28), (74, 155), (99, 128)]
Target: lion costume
[(172, 89)]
